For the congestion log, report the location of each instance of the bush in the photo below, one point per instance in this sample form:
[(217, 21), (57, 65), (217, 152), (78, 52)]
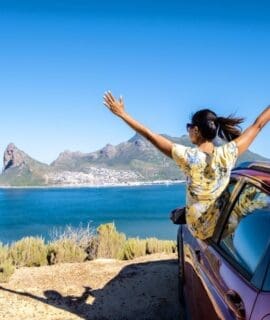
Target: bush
[(29, 251), (154, 245), (6, 266), (3, 253), (77, 245), (65, 250), (133, 248), (92, 249), (72, 245), (81, 235), (6, 270), (110, 242)]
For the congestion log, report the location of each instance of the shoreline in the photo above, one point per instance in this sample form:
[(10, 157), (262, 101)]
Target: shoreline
[(107, 185)]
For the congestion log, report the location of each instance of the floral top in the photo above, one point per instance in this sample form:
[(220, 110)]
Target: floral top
[(207, 176)]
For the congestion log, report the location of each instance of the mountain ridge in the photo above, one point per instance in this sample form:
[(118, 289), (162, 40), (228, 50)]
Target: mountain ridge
[(135, 160)]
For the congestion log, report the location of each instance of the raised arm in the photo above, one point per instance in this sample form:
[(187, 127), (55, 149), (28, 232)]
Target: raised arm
[(247, 137), (117, 107)]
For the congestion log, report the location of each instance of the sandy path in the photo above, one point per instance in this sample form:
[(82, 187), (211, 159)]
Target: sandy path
[(144, 288)]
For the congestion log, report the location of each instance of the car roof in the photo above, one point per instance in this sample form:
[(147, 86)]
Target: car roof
[(258, 170)]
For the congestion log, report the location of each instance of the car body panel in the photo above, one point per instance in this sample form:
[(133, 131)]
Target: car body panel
[(208, 278), (261, 308), (213, 287)]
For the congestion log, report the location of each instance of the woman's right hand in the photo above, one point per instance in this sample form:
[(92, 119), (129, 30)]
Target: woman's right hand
[(116, 106)]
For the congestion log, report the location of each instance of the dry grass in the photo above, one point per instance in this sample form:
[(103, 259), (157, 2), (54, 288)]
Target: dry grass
[(65, 250), (154, 245), (133, 248), (29, 252), (6, 266), (110, 242), (76, 245), (71, 244)]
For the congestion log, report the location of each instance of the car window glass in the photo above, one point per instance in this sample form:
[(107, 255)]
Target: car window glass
[(223, 199), (246, 234)]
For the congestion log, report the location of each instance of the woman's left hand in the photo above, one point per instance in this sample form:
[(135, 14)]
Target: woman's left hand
[(116, 106)]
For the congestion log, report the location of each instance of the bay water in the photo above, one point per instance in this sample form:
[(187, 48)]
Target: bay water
[(138, 211)]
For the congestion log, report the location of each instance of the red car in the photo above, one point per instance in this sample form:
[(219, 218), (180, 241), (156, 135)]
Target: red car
[(228, 276)]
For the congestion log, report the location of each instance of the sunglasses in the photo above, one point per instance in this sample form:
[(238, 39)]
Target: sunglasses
[(190, 126)]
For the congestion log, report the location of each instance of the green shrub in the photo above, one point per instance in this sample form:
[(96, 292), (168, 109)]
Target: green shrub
[(6, 270), (6, 266), (29, 251), (154, 245), (110, 242), (77, 245), (134, 247), (65, 250)]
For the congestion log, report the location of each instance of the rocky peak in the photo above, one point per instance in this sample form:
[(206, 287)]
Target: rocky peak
[(13, 157), (68, 155), (108, 151), (139, 142), (136, 137)]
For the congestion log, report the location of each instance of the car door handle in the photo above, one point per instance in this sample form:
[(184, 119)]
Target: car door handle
[(235, 303), (198, 255)]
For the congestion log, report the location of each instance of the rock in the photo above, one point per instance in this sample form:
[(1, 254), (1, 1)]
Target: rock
[(108, 151), (13, 157), (67, 155)]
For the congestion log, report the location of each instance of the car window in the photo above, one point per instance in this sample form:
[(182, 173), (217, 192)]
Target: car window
[(246, 234), (223, 199)]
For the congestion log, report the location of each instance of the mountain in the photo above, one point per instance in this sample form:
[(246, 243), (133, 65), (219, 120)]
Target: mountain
[(19, 169), (131, 161), (137, 155)]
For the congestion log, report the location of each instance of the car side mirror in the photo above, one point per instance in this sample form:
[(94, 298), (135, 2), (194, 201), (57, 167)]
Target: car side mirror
[(178, 215)]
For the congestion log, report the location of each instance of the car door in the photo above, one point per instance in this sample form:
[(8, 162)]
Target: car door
[(222, 270), (202, 298)]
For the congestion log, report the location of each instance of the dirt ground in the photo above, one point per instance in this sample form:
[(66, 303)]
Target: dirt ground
[(142, 289)]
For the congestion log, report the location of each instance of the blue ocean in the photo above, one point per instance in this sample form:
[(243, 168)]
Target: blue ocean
[(138, 211)]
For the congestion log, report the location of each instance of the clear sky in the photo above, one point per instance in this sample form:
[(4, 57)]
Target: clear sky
[(167, 58)]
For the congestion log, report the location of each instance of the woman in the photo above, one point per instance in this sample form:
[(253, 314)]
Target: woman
[(207, 167)]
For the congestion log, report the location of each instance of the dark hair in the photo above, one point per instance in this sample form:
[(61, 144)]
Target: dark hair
[(210, 125)]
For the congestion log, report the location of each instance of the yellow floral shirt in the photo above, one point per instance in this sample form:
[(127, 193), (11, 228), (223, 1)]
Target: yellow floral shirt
[(207, 176)]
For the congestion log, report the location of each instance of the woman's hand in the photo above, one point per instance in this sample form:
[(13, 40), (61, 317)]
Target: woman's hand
[(116, 106)]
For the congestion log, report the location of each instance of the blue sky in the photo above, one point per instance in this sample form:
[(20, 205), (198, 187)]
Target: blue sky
[(167, 58)]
